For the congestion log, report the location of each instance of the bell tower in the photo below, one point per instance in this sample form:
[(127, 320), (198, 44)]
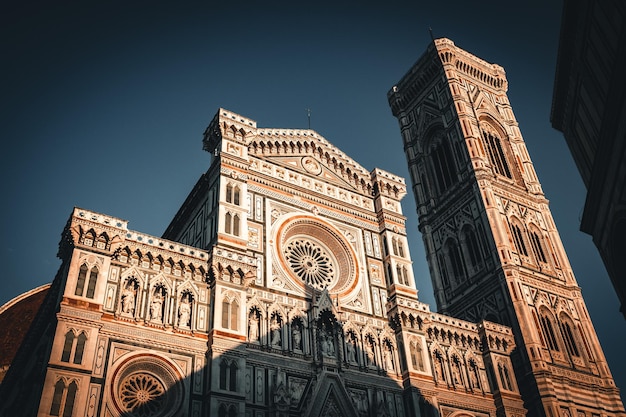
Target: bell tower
[(492, 246)]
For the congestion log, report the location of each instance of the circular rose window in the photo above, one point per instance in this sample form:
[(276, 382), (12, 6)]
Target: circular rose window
[(146, 386), (315, 254)]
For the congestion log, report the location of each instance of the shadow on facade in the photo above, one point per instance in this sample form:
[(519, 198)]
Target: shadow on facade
[(300, 368)]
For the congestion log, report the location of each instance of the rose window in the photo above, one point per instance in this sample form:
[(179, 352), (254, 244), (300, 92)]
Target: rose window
[(146, 386), (142, 394), (315, 255), (310, 262)]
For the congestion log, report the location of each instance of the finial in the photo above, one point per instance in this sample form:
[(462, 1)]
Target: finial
[(430, 30)]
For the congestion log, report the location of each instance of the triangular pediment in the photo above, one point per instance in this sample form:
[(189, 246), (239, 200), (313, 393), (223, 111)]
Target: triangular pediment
[(307, 152), (331, 399)]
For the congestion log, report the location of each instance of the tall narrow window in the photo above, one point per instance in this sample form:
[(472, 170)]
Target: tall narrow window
[(57, 398), (394, 243), (228, 223), (236, 195), (91, 286), (496, 155), (234, 315), (546, 325), (455, 260), (80, 348), (473, 248), (518, 239), (69, 400), (225, 313), (229, 193), (80, 283), (67, 346), (236, 225), (535, 242), (443, 166), (223, 374), (568, 336), (443, 271), (232, 385)]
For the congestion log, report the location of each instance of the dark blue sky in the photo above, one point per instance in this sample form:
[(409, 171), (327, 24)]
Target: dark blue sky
[(104, 105)]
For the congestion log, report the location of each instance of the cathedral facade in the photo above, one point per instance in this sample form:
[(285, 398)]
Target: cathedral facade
[(284, 287)]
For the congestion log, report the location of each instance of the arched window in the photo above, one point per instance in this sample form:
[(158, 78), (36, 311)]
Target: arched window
[(445, 281), (394, 243), (67, 346), (496, 154), (417, 357), (454, 256), (73, 344), (228, 221), (236, 225), (63, 399), (232, 385), (230, 314), (223, 373), (234, 315), (548, 331), (505, 379), (535, 243), (568, 337), (91, 286), (518, 239), (443, 165), (473, 247), (80, 348), (232, 194), (80, 282), (229, 193), (57, 398), (228, 375)]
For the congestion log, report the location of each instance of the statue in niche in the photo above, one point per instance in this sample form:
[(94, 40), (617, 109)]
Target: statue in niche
[(389, 358), (275, 332), (351, 350), (327, 344), (297, 336), (474, 376), (156, 305), (253, 328), (128, 298), (369, 354), (184, 311)]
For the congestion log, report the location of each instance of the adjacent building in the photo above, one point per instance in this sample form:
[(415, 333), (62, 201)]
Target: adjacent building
[(589, 107)]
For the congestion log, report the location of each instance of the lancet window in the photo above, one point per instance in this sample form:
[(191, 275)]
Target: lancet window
[(63, 399), (496, 154), (228, 375), (75, 345), (537, 246), (233, 194), (230, 314), (518, 238), (82, 278), (548, 330)]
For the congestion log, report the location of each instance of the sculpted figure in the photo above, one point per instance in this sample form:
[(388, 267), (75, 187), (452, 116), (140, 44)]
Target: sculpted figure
[(297, 337), (128, 299), (253, 332), (156, 306), (184, 312), (275, 330)]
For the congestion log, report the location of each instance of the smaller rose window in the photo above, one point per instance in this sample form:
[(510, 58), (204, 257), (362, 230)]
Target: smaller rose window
[(142, 394), (310, 262)]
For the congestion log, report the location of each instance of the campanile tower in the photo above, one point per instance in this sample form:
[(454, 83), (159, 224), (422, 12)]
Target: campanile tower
[(492, 245)]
